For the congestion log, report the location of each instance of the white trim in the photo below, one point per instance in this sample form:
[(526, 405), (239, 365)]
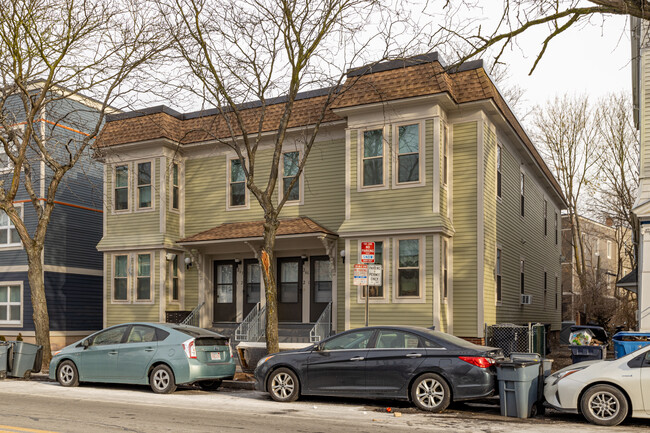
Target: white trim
[(181, 198), (177, 163), (72, 270), (162, 261), (129, 271), (437, 278), (16, 245), (421, 298), (105, 259), (14, 323), (136, 187), (414, 231), (348, 174), (385, 155), (450, 287), (347, 285), (436, 165), (230, 157), (129, 181), (450, 171), (105, 203), (421, 155), (385, 266), (480, 229), (132, 248), (301, 179)]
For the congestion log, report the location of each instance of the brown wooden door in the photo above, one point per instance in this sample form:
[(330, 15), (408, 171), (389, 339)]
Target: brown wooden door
[(290, 289), (225, 291)]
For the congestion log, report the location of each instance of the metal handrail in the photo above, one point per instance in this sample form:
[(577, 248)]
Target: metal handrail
[(253, 326), (192, 319), (323, 326)]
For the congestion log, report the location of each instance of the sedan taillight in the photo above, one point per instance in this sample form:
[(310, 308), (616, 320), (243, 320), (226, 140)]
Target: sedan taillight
[(190, 348), (479, 361)]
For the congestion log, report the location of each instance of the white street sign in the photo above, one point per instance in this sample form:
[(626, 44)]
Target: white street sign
[(374, 275)]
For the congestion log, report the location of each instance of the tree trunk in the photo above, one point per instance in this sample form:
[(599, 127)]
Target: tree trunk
[(39, 303), (268, 259)]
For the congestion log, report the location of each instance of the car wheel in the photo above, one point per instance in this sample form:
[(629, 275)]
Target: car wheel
[(430, 392), (283, 385), (604, 405), (161, 380), (67, 374), (210, 385)]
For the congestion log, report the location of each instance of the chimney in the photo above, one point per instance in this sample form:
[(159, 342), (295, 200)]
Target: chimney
[(609, 221)]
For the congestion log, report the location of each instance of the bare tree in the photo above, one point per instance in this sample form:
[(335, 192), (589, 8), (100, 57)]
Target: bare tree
[(553, 17), (619, 171), (565, 130), (240, 51), (51, 51)]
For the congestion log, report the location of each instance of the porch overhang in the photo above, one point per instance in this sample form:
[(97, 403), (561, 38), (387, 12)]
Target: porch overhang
[(629, 282)]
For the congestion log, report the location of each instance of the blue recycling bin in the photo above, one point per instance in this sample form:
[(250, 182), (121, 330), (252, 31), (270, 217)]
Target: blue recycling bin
[(628, 342)]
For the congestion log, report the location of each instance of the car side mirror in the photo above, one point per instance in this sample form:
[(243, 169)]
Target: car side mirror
[(647, 357), (85, 344), (318, 347)]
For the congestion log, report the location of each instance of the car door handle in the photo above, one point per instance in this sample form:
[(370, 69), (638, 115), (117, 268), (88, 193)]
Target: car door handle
[(149, 349), (112, 353), (414, 355), (357, 358)]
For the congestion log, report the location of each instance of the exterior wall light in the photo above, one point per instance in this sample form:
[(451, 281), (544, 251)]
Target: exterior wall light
[(343, 255), (188, 262)]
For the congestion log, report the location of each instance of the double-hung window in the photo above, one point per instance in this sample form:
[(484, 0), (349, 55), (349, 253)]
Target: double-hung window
[(10, 303), (445, 268), (521, 276), (143, 282), (522, 182), (373, 158), (408, 153), (175, 187), (445, 155), (498, 274), (121, 187), (8, 233), (408, 268), (499, 171), (237, 190), (121, 278), (290, 162), (175, 295), (545, 217), (144, 185)]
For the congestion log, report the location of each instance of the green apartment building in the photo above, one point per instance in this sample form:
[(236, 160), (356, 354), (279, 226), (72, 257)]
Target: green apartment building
[(431, 165)]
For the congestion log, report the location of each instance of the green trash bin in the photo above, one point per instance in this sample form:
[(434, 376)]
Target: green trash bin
[(27, 359), (519, 386)]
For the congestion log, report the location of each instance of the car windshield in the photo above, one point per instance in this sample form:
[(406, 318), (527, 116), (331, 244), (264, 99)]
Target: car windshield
[(447, 338)]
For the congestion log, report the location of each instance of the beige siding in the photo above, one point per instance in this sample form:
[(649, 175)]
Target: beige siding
[(523, 237), (465, 222), (489, 223)]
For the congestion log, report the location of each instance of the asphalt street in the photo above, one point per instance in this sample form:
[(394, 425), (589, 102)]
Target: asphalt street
[(34, 407)]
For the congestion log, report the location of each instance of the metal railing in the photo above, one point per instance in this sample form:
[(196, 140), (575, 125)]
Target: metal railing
[(253, 326), (323, 326), (192, 319)]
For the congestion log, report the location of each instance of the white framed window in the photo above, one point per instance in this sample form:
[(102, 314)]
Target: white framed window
[(237, 191), (144, 183), (289, 169), (597, 251), (445, 269), (522, 188), (609, 249), (378, 294), (545, 217), (372, 159), (408, 280), (175, 280), (11, 303), (408, 164), (6, 164), (176, 189), (121, 181), (121, 278), (445, 154), (545, 288), (143, 286), (8, 233), (497, 272), (522, 279), (499, 151)]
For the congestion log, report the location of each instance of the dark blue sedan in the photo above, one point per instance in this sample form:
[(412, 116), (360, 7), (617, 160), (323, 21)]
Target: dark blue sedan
[(429, 368)]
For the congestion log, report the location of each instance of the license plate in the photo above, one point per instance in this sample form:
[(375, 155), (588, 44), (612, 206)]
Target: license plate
[(215, 356)]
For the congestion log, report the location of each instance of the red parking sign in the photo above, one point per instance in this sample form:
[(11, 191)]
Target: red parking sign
[(367, 252)]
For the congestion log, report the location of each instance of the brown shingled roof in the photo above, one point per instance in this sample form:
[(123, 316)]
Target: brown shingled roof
[(255, 229)]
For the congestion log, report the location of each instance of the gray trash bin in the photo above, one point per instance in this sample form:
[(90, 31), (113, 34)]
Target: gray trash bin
[(519, 386), (4, 358), (27, 359)]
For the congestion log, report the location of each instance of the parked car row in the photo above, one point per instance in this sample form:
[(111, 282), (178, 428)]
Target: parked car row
[(429, 368)]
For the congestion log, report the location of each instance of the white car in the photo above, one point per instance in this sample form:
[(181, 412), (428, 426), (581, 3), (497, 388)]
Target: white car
[(604, 392)]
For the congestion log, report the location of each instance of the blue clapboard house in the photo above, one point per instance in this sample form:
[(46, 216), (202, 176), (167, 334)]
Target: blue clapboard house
[(71, 263)]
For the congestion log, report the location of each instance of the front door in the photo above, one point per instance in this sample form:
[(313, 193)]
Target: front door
[(225, 291), (290, 289), (321, 286), (252, 285)]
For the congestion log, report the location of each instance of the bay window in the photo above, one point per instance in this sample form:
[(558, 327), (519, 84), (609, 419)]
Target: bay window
[(373, 158)]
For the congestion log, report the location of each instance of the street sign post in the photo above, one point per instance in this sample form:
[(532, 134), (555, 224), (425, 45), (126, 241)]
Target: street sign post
[(367, 252)]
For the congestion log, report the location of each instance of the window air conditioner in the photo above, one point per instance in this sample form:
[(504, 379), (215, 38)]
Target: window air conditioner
[(526, 299)]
